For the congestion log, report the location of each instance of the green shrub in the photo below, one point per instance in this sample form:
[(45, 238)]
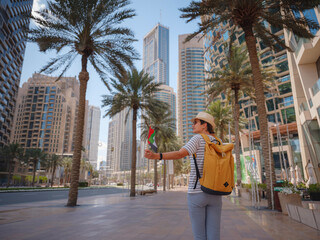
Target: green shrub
[(314, 188), (262, 186), (83, 184), (42, 179), (286, 184), (29, 178), (301, 185), (246, 185), (119, 184), (16, 178)]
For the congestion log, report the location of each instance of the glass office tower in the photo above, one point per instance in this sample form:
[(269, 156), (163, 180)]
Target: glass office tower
[(12, 48), (190, 84), (156, 54)]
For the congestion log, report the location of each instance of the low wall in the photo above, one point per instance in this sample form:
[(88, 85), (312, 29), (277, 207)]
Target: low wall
[(309, 217)]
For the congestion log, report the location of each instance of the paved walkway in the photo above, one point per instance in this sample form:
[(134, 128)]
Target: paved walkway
[(151, 217)]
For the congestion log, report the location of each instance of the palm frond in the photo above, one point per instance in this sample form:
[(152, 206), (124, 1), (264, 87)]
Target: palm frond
[(89, 28)]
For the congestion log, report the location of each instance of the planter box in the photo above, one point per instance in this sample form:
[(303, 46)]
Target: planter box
[(293, 212), (317, 218), (285, 199), (306, 216), (315, 196), (244, 193)]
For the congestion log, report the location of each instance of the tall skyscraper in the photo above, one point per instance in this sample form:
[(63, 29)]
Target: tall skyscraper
[(46, 114), (92, 134), (13, 18), (119, 143), (190, 84), (156, 54), (167, 95), (156, 63)]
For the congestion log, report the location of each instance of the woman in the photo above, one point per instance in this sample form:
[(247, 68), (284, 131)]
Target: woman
[(204, 209)]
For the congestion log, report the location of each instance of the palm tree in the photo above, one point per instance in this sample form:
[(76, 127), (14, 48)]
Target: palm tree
[(252, 17), (234, 77), (89, 29), (222, 117), (91, 171), (83, 168), (55, 161), (133, 91), (66, 163), (234, 80), (10, 153), (163, 124), (36, 155), (168, 144)]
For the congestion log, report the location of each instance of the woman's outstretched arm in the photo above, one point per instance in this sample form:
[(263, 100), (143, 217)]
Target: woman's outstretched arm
[(167, 155)]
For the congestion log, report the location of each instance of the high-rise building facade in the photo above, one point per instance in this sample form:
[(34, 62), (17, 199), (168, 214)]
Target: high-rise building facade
[(119, 143), (167, 95), (92, 134), (284, 137), (13, 18), (156, 63), (190, 84), (304, 66), (156, 54), (46, 114)]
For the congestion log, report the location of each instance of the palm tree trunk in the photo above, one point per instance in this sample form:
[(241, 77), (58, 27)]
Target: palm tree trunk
[(134, 154), (34, 171), (83, 78), (221, 133), (53, 172), (236, 134), (164, 175), (155, 176), (9, 172), (260, 100)]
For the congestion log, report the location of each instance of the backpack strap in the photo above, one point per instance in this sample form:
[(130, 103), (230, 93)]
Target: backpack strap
[(218, 140), (197, 170), (207, 139)]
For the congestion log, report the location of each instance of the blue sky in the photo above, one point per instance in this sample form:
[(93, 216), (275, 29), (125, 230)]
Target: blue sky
[(149, 13)]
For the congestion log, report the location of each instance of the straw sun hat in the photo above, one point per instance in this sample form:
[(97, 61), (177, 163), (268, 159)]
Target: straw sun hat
[(205, 117)]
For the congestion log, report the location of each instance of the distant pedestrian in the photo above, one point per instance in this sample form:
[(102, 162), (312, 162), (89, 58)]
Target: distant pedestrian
[(204, 209)]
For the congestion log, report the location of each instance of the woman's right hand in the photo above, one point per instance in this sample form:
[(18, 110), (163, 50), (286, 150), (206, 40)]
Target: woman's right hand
[(149, 154)]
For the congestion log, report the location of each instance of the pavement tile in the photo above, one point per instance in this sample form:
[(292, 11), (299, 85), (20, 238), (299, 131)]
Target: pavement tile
[(157, 216)]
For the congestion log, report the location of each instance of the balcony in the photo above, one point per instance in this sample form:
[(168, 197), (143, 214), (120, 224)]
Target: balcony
[(307, 51), (304, 112), (316, 88)]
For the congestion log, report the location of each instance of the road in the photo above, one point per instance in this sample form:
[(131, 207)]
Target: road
[(36, 196)]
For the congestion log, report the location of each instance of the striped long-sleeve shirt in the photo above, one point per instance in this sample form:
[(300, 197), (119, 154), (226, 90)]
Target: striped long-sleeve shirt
[(196, 146)]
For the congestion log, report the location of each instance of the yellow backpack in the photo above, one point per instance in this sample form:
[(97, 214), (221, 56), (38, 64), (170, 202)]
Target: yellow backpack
[(218, 176)]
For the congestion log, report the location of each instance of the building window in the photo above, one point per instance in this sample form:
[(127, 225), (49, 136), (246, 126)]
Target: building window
[(271, 118), (282, 67), (287, 101), (284, 78), (288, 115), (311, 15), (241, 39), (285, 88)]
